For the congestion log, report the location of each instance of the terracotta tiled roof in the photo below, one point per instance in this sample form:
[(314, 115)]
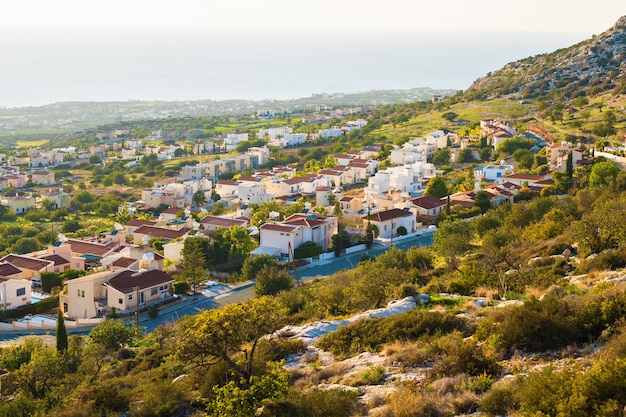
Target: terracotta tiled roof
[(528, 177), (428, 202), (279, 227), (124, 262), (91, 248), (127, 281), (138, 223), (57, 259), (223, 221), (161, 232), (382, 216), (7, 269), (26, 262)]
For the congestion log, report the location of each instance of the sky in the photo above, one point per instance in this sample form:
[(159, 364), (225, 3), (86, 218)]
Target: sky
[(67, 50)]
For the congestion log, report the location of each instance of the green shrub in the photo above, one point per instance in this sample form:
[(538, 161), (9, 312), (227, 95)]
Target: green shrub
[(307, 250), (370, 334), (180, 287), (499, 400), (153, 312)]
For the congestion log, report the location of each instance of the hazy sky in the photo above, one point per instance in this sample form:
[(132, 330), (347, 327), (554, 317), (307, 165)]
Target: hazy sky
[(138, 49)]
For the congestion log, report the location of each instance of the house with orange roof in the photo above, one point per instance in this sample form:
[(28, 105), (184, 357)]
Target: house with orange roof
[(388, 221)]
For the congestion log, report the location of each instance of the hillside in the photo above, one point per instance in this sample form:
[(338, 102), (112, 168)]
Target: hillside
[(596, 65)]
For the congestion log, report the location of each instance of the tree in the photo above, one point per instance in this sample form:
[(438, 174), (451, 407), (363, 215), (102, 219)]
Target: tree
[(48, 204), (485, 153), (602, 173), (602, 227), (199, 198), (483, 200), (466, 155), (452, 239), (216, 336), (270, 281), (449, 116), (437, 187), (123, 216), (233, 401), (179, 152), (193, 270), (441, 156), (253, 264), (516, 142), (581, 101), (95, 160), (61, 332), (337, 242), (111, 334), (26, 245)]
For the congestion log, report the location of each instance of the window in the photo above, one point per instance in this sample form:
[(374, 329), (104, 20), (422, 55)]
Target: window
[(130, 297), (154, 291), (81, 293), (119, 300), (21, 291)]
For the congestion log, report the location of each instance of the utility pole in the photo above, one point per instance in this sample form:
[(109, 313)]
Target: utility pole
[(291, 259), (137, 310)]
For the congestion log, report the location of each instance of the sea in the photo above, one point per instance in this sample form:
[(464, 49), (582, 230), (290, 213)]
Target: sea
[(114, 66)]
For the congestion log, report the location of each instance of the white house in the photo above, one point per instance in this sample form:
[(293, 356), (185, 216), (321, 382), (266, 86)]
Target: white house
[(14, 293), (280, 237), (273, 132), (233, 139), (333, 132), (289, 139), (318, 229), (427, 207), (387, 222), (262, 153), (492, 172)]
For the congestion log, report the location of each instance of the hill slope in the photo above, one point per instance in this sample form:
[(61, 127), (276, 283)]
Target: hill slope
[(590, 67)]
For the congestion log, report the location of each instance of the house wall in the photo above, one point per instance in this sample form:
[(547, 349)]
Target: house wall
[(281, 240), (123, 302), (82, 292), (9, 298)]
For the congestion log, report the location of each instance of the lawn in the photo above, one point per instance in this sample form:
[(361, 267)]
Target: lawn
[(31, 143)]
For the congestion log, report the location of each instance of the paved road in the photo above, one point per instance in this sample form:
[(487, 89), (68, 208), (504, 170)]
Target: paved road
[(242, 292)]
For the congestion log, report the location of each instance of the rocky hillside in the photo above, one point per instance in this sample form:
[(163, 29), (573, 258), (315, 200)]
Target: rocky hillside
[(593, 66)]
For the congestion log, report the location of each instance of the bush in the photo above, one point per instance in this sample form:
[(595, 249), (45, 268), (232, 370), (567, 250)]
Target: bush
[(271, 281), (50, 280), (307, 250), (370, 334), (180, 287), (499, 400), (401, 231), (153, 312), (314, 403)]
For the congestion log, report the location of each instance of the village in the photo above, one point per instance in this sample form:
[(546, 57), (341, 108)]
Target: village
[(126, 273)]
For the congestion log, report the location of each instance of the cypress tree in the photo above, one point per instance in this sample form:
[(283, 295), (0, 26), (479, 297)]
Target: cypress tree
[(61, 332)]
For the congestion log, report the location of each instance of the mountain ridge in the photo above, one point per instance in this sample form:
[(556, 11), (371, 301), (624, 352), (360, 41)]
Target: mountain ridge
[(590, 67)]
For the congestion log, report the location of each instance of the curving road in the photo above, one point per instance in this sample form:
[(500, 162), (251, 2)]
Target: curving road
[(239, 293)]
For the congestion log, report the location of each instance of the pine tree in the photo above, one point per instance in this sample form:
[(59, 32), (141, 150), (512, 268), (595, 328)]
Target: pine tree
[(61, 333)]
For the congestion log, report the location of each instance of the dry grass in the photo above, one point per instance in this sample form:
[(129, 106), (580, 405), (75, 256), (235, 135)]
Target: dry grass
[(488, 293)]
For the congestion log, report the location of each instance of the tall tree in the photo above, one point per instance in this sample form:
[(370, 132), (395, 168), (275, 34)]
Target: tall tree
[(192, 270), (61, 332), (229, 335), (453, 239), (437, 187)]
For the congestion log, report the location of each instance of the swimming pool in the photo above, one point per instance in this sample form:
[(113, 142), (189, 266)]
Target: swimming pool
[(38, 318), (36, 297)]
